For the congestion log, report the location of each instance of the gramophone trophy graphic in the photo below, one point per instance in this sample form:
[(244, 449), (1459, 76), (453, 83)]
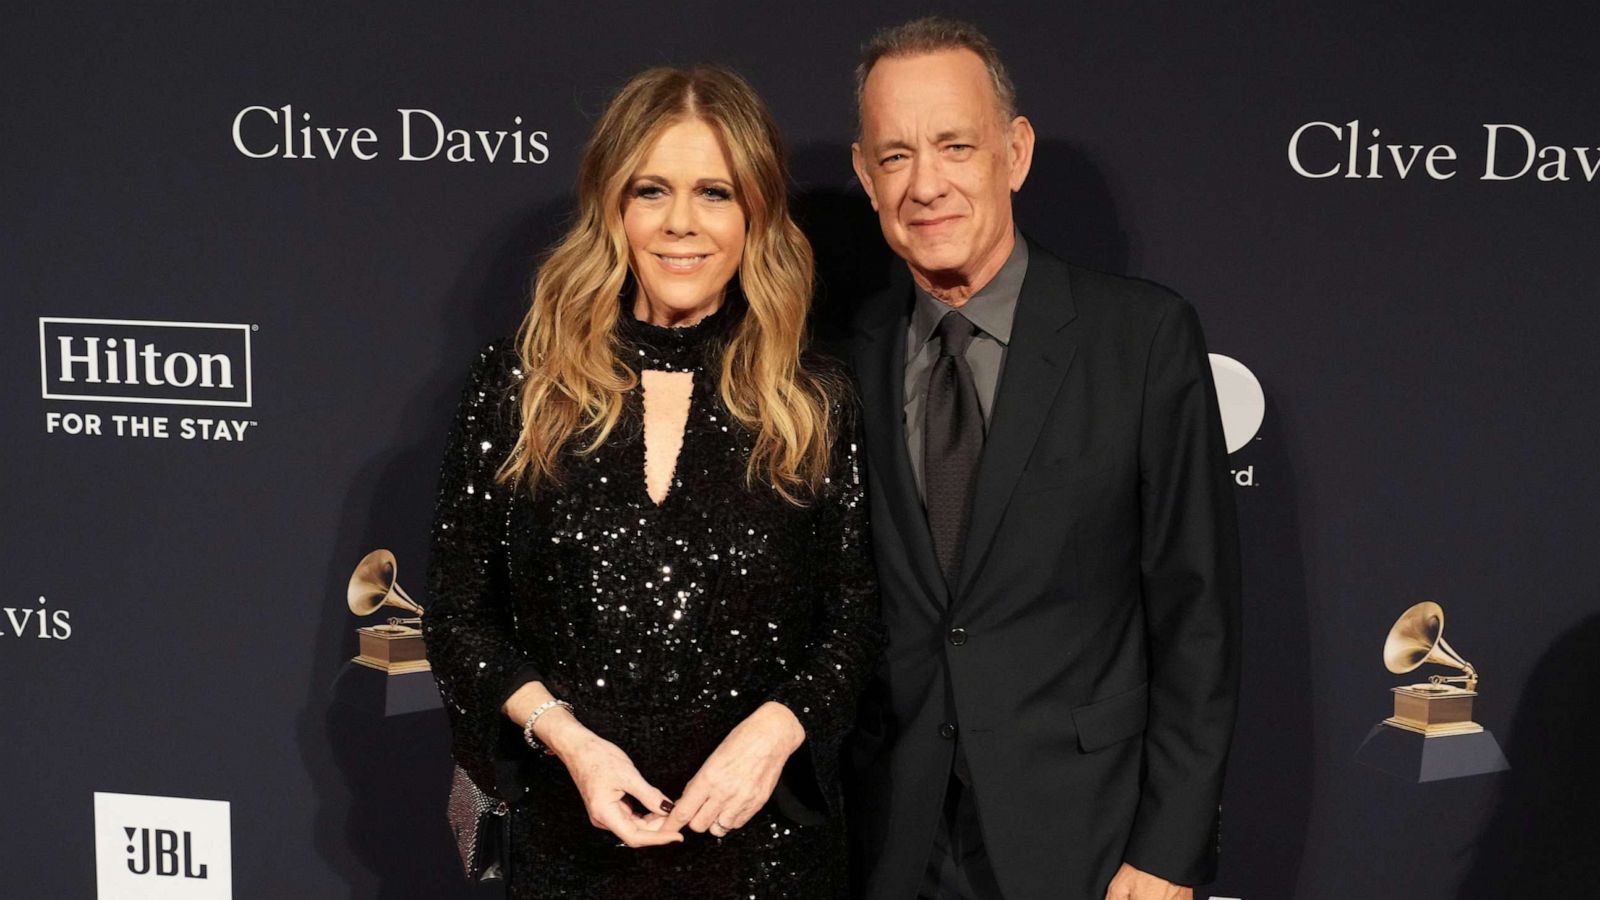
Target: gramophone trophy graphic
[(1431, 735), (395, 646)]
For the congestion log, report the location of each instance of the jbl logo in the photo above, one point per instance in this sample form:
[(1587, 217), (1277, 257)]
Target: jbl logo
[(163, 852), (162, 848)]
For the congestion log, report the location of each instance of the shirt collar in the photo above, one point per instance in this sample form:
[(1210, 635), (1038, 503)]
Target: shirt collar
[(993, 308)]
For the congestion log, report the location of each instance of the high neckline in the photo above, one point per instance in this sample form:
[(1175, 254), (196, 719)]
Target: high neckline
[(673, 348)]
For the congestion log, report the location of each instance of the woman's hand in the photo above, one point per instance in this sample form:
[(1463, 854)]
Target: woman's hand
[(736, 780), (605, 776)]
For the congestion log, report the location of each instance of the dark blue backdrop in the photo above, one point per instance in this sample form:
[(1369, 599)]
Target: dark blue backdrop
[(1425, 347)]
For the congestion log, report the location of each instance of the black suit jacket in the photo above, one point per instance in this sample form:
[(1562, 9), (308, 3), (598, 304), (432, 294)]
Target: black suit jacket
[(1095, 679)]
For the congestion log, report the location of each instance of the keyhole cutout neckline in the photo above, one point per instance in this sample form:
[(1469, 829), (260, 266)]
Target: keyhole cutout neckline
[(671, 362), (667, 398)]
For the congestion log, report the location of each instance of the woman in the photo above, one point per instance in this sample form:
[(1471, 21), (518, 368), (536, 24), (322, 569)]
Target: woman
[(653, 598)]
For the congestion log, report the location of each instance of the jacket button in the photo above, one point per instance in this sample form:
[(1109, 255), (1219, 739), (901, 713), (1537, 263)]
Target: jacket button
[(947, 731), (958, 636)]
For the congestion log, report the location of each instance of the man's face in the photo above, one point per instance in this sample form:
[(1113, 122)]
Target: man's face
[(939, 163)]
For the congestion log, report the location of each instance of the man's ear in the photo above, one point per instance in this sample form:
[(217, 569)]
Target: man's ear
[(860, 166), (1021, 150)]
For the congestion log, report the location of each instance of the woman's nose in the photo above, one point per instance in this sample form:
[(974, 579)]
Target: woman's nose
[(680, 216)]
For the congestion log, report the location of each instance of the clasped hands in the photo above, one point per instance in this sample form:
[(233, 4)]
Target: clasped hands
[(732, 785)]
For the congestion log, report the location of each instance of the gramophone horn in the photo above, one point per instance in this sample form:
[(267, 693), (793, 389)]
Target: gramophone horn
[(373, 585), (1417, 638)]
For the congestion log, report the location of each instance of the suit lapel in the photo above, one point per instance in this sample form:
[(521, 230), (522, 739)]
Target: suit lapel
[(1036, 362), (880, 366)]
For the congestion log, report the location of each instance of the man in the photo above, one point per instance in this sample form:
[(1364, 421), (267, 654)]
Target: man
[(1053, 524)]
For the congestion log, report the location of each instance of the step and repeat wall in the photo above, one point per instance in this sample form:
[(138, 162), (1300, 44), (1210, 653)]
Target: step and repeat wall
[(250, 253)]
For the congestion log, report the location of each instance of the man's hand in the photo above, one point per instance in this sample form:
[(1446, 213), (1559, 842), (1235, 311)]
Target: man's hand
[(735, 782), (1131, 884)]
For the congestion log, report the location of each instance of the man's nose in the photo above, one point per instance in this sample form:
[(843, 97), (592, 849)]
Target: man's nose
[(928, 181)]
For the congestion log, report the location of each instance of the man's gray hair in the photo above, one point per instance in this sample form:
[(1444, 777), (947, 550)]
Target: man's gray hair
[(933, 34)]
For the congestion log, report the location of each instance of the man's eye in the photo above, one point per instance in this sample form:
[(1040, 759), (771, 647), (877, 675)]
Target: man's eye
[(891, 158)]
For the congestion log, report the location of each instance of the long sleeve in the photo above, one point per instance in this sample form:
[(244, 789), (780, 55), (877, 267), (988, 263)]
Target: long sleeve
[(468, 628), (848, 635), (1191, 591)]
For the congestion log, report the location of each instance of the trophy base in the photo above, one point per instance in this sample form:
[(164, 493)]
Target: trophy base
[(1434, 730), (1433, 710), (392, 668), (1417, 757), (393, 649), (385, 694)]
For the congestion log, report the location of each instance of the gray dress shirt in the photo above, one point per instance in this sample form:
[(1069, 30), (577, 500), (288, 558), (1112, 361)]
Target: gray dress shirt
[(992, 309)]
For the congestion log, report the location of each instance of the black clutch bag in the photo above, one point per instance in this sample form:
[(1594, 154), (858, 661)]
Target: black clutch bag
[(482, 828)]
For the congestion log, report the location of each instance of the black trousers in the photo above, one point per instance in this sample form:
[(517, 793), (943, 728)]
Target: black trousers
[(958, 866)]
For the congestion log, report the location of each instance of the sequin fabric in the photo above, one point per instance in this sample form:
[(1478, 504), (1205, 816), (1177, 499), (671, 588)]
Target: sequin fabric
[(665, 626)]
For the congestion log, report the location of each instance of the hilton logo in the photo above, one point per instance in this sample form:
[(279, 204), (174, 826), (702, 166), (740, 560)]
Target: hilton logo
[(137, 361), (141, 361), (162, 847)]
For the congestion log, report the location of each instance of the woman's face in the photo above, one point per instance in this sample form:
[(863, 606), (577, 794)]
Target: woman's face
[(685, 226)]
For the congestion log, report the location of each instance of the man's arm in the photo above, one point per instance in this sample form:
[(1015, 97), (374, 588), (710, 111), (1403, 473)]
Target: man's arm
[(1189, 559)]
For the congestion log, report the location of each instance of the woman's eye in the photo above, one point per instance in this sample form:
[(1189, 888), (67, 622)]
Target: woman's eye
[(647, 191), (718, 194)]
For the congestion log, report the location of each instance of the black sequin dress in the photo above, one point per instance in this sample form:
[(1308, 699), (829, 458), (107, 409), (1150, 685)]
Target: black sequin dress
[(664, 626)]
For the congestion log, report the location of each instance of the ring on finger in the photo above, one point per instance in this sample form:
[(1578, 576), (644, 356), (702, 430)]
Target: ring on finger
[(719, 830)]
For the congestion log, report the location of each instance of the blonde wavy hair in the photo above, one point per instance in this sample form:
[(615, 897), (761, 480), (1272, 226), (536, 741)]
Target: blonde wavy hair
[(575, 380)]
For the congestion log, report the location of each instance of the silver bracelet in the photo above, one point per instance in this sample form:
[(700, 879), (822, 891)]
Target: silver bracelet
[(541, 709)]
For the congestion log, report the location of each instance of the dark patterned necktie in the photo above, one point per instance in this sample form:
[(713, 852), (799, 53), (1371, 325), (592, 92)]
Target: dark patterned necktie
[(952, 442)]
